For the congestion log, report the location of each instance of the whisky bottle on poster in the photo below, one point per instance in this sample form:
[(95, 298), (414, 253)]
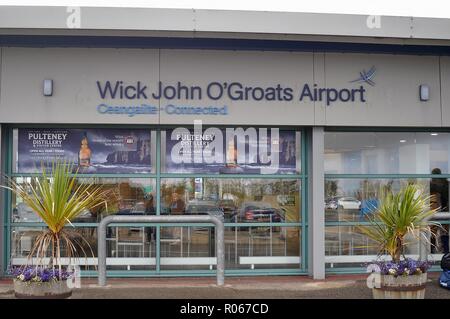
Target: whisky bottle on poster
[(84, 156), (231, 166), (231, 155)]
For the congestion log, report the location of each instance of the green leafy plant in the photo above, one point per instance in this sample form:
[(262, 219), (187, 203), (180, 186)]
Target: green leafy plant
[(57, 197), (407, 212)]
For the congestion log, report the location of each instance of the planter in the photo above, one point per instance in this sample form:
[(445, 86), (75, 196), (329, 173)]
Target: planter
[(401, 287), (42, 290)]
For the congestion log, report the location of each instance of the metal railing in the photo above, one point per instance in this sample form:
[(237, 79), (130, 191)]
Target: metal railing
[(218, 222)]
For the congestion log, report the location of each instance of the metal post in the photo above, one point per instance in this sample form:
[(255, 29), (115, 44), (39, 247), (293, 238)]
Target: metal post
[(220, 250), (220, 242)]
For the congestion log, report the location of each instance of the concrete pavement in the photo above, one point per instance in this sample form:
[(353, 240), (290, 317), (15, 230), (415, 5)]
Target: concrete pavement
[(278, 287)]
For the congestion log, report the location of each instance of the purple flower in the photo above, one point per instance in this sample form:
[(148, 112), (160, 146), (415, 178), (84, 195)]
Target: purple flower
[(403, 268), (33, 273)]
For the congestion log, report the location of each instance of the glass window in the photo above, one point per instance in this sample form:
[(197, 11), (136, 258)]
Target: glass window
[(353, 200), (253, 208), (259, 247), (254, 247), (238, 200), (348, 241), (349, 201), (346, 246), (386, 153), (231, 151), (127, 248), (127, 196)]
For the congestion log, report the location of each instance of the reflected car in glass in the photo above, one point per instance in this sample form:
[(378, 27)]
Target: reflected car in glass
[(348, 203), (85, 216), (203, 207), (258, 212), (228, 207), (23, 213), (142, 207), (331, 203)]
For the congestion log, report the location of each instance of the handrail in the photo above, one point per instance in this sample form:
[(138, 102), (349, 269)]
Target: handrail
[(176, 219)]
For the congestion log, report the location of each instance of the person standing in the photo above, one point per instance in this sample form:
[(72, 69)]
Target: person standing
[(177, 205), (149, 210), (439, 192)]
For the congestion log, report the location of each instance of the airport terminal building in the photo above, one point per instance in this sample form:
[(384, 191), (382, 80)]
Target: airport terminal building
[(285, 124)]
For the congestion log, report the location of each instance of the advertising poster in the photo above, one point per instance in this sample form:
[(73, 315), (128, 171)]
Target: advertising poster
[(91, 151), (207, 153)]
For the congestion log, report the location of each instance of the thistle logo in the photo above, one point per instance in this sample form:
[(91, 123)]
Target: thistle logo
[(366, 77)]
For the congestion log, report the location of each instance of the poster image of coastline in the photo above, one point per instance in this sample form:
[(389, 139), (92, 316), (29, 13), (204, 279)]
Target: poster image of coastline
[(92, 151), (184, 143)]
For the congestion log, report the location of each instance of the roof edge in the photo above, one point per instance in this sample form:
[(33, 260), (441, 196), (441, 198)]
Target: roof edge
[(205, 20)]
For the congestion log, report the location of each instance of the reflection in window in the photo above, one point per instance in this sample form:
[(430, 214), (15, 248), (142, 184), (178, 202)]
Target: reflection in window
[(350, 199), (386, 152), (353, 200), (128, 196), (440, 193), (238, 200), (126, 247), (245, 247), (346, 246)]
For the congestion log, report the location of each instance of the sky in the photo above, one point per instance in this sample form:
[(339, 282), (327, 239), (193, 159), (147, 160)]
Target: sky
[(415, 8)]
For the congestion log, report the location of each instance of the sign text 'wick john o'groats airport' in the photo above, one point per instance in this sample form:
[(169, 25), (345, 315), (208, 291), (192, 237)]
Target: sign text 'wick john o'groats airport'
[(234, 91), (216, 91)]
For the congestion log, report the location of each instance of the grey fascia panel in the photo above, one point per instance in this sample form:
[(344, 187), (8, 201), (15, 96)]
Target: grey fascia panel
[(300, 23), (425, 28), (231, 21)]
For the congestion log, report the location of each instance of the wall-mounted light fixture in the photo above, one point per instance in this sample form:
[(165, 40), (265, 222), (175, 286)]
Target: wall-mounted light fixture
[(424, 92), (48, 87)]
